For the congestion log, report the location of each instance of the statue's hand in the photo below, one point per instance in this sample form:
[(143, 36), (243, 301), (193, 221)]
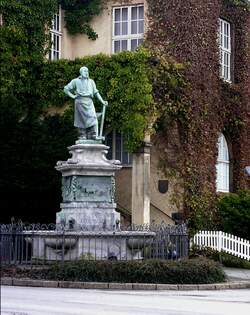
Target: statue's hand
[(71, 95), (105, 103)]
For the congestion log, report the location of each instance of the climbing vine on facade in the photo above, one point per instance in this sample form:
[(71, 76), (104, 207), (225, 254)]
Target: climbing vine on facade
[(79, 14), (212, 106)]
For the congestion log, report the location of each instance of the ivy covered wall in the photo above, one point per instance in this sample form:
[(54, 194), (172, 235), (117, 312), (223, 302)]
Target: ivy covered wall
[(188, 31), (239, 91)]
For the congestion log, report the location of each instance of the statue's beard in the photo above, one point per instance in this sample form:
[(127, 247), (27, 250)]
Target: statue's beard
[(85, 76)]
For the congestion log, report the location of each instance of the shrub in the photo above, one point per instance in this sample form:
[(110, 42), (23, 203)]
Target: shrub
[(149, 271), (234, 211), (225, 259), (231, 261)]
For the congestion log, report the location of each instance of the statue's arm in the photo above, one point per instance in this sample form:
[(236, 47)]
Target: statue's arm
[(98, 95), (68, 88)]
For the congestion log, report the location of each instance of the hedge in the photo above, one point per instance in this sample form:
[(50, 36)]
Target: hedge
[(225, 259), (195, 271)]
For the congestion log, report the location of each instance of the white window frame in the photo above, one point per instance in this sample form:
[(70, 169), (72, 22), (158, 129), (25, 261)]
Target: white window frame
[(129, 37), (56, 32), (225, 50), (222, 166), (1, 19), (113, 148)]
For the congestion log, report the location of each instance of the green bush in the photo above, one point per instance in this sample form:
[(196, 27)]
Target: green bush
[(228, 260), (149, 271), (225, 259), (234, 211)]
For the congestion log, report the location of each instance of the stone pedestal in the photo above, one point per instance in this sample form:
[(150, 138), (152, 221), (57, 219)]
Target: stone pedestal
[(88, 188), (88, 224)]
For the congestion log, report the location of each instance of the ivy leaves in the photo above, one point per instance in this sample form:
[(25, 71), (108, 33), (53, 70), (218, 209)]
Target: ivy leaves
[(242, 3), (79, 14), (126, 80), (23, 45)]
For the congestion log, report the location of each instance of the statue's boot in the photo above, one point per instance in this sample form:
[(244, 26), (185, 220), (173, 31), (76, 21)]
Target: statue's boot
[(92, 132), (82, 134)]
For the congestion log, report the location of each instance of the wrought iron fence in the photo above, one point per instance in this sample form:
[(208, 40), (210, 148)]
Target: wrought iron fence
[(38, 244)]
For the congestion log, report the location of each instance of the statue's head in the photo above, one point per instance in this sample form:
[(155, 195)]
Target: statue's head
[(84, 72)]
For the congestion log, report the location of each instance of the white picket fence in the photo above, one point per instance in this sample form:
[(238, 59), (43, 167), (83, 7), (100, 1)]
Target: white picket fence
[(221, 241)]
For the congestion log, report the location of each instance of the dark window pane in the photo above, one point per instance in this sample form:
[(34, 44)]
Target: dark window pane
[(134, 44), (134, 13), (57, 23), (118, 147), (125, 158), (124, 45), (130, 159), (225, 42), (141, 12), (117, 28), (124, 14), (141, 27), (117, 46), (227, 59), (226, 30), (134, 27), (117, 14), (124, 28), (57, 42), (109, 143)]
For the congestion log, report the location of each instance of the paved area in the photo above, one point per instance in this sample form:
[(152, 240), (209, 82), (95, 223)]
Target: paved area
[(237, 274), (55, 301)]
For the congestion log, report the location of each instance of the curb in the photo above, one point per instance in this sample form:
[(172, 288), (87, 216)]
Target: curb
[(123, 286)]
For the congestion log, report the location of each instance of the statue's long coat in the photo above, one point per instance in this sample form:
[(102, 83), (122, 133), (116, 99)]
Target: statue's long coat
[(85, 114)]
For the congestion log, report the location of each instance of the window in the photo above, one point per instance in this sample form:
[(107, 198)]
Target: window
[(225, 50), (128, 28), (117, 149), (222, 166), (56, 35)]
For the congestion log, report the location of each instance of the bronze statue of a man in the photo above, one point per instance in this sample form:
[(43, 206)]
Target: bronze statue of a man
[(84, 90)]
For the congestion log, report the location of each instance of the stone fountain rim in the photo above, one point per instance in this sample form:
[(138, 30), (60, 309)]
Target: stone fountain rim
[(89, 233), (88, 145)]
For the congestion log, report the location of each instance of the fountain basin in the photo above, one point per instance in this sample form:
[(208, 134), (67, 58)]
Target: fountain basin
[(75, 245)]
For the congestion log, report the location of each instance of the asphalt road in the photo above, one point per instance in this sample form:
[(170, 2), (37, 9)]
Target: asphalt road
[(50, 301)]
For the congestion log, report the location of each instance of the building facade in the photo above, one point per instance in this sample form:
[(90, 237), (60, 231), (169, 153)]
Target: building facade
[(213, 39)]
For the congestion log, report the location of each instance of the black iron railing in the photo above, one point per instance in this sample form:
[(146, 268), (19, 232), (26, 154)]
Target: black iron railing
[(35, 244)]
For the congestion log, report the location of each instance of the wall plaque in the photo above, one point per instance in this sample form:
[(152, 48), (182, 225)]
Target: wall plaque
[(163, 186), (87, 188)]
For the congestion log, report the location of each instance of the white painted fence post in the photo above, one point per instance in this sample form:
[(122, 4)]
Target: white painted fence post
[(219, 243)]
